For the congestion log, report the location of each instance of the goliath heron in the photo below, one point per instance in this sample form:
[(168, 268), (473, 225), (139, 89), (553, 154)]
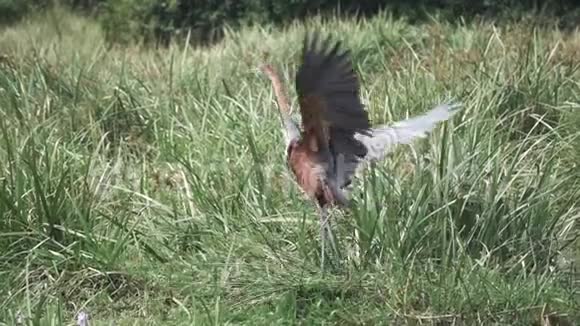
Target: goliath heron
[(336, 135)]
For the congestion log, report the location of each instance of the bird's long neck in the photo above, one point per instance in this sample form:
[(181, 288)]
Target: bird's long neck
[(279, 90), (291, 131)]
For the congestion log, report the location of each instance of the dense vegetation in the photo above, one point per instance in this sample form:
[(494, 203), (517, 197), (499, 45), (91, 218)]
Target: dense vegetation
[(201, 21), (148, 185)]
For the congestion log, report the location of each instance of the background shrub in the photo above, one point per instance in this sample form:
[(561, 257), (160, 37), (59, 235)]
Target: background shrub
[(12, 10), (203, 21), (161, 20)]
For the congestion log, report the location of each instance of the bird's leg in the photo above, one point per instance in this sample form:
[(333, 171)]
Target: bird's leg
[(325, 235), (330, 236), (323, 219), (322, 238)]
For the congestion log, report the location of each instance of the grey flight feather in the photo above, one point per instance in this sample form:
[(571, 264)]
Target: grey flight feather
[(383, 139)]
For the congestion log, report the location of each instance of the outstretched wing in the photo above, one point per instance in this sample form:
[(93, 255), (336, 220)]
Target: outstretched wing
[(328, 94), (384, 139)]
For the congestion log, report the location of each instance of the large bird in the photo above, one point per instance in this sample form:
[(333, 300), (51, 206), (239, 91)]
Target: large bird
[(336, 136)]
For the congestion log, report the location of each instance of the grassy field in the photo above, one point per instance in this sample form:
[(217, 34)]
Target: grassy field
[(148, 187)]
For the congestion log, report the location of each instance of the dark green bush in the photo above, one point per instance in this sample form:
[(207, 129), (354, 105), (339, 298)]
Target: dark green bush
[(12, 10), (126, 20), (203, 20), (161, 20), (158, 21)]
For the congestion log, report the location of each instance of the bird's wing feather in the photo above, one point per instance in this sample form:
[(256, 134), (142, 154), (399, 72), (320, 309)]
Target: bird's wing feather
[(330, 106), (384, 139), (328, 94)]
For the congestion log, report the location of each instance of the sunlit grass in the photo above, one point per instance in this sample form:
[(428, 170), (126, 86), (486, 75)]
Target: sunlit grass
[(150, 185)]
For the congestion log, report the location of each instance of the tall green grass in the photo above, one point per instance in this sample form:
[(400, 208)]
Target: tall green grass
[(149, 186)]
